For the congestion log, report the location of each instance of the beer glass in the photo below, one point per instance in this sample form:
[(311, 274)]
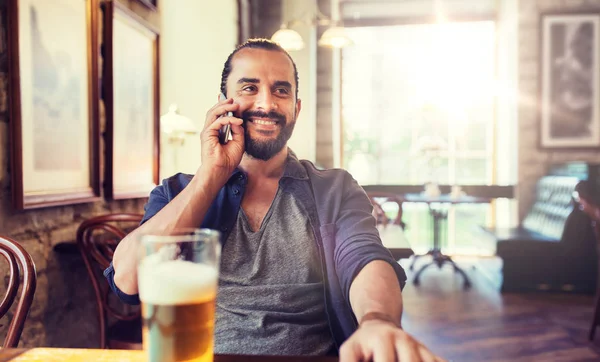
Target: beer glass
[(177, 280)]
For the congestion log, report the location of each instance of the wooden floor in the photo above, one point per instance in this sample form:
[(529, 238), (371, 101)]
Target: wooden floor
[(481, 324)]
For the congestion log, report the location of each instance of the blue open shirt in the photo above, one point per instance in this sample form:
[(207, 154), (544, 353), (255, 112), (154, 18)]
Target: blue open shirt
[(340, 215)]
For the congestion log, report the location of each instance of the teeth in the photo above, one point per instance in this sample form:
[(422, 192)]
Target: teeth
[(266, 123)]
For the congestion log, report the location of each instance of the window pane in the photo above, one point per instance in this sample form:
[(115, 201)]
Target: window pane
[(419, 231), (467, 219), (404, 84), (471, 171), (418, 106), (476, 138)]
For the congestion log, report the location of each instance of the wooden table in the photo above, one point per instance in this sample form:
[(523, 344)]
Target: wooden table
[(107, 355)]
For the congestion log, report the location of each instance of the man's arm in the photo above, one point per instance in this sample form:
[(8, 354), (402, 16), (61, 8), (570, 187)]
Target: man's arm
[(189, 207), (186, 210), (375, 293), (376, 301)]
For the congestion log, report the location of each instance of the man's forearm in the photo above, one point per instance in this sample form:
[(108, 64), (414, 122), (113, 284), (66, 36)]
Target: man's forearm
[(375, 293), (187, 210)]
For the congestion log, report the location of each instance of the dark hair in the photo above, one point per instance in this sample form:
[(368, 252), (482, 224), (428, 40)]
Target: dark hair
[(265, 44)]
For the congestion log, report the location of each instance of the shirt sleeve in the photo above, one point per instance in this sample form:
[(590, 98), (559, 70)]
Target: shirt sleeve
[(157, 200), (109, 274), (357, 239)]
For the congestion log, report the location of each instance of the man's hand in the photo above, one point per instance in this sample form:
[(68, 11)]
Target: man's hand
[(218, 158), (382, 341)]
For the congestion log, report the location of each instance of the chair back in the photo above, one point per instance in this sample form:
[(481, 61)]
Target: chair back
[(19, 261), (378, 199), (391, 230), (97, 239)]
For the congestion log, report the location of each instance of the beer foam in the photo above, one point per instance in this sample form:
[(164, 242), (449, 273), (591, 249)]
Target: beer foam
[(176, 282)]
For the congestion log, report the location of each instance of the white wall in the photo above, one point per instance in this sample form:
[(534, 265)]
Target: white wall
[(304, 139), (196, 38)]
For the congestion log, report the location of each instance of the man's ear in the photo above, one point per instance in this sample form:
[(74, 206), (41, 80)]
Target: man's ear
[(298, 107)]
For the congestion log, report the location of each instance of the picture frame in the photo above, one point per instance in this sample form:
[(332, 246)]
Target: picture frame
[(569, 80), (150, 4), (53, 97), (131, 94)]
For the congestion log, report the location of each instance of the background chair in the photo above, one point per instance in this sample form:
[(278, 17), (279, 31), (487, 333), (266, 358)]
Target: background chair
[(97, 239), (584, 197), (553, 232), (378, 199), (391, 229), (18, 259)]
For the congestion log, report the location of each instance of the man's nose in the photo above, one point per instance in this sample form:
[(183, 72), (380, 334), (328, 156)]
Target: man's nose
[(265, 101)]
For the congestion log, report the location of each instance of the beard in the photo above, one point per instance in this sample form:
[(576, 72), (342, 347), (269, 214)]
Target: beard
[(265, 149)]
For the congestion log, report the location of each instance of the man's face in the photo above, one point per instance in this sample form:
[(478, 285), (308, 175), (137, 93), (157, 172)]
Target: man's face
[(262, 82)]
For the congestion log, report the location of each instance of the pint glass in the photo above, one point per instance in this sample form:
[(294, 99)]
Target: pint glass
[(177, 279)]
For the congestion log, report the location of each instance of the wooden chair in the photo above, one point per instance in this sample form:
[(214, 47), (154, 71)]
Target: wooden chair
[(378, 199), (97, 239), (18, 259), (391, 230), (585, 200)]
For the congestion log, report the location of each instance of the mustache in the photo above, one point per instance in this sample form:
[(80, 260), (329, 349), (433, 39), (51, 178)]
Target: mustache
[(273, 115)]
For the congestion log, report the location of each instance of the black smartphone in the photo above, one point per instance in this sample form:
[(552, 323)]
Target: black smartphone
[(225, 131)]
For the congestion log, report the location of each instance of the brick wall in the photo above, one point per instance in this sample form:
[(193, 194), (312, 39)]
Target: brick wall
[(533, 161), (63, 311), (324, 99)]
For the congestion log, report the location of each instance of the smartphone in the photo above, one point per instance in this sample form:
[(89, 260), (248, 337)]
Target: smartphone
[(225, 131)]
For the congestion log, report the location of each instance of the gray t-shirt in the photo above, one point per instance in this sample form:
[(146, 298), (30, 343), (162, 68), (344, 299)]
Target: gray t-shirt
[(271, 297)]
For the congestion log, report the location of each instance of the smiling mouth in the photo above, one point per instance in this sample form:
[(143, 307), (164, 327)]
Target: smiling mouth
[(264, 122)]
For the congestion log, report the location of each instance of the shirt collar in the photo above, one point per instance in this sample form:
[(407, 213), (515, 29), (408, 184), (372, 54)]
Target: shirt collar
[(293, 168)]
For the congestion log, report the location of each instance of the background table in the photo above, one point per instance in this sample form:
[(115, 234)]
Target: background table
[(107, 355), (438, 209)]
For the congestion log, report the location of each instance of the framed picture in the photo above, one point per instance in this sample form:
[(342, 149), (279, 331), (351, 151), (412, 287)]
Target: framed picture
[(131, 93), (151, 4), (53, 91), (570, 80)]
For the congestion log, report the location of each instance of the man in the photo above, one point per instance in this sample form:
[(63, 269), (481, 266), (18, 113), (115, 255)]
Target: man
[(302, 261)]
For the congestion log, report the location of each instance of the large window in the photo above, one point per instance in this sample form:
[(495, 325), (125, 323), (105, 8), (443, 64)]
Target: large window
[(417, 107)]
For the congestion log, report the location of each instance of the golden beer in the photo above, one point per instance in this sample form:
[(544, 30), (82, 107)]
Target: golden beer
[(179, 332), (178, 302)]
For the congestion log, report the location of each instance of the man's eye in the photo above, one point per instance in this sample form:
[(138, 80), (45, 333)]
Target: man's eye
[(249, 88), (282, 91)]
